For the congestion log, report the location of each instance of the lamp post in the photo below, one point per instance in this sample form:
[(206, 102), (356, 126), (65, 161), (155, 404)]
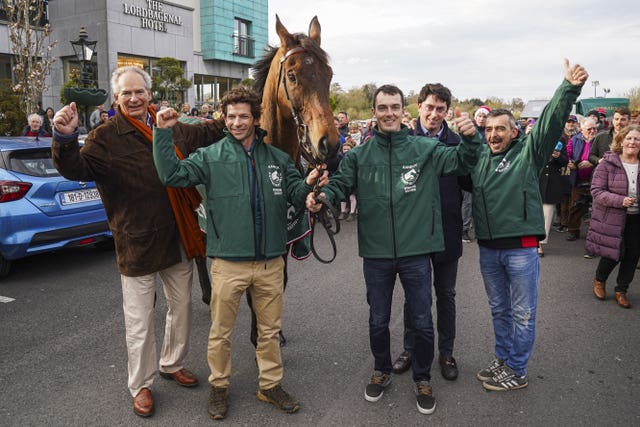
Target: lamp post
[(595, 85), (606, 92), (84, 50)]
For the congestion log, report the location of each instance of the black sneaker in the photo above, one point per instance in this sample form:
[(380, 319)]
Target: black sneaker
[(505, 379), (561, 229), (487, 373), (425, 401), (588, 255), (218, 403), (466, 238), (280, 399), (375, 388)]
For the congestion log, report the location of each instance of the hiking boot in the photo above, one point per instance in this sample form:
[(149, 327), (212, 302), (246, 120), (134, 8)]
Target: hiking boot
[(218, 403), (351, 217), (375, 388), (343, 215), (599, 289), (425, 401), (505, 379), (279, 398), (487, 373)]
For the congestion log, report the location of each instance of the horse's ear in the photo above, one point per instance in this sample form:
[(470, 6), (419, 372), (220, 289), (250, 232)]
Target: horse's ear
[(283, 33), (314, 30)]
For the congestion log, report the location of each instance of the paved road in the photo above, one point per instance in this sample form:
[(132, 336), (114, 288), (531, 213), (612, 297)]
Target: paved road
[(63, 358)]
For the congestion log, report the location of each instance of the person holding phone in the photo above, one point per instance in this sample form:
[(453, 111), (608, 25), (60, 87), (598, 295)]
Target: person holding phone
[(552, 183), (615, 218)]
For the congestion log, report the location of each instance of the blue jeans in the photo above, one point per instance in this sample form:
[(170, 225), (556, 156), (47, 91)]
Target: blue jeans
[(511, 282), (415, 276)]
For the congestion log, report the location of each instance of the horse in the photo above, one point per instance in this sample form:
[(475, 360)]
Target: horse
[(294, 81)]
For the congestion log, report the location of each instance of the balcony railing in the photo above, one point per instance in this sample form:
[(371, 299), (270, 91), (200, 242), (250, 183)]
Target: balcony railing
[(243, 45)]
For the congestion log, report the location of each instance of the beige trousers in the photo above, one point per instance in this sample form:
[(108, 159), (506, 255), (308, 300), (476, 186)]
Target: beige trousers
[(264, 282), (138, 296)]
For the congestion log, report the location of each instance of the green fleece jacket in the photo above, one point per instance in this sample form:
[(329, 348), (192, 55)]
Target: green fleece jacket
[(224, 170), (395, 177), (506, 195)]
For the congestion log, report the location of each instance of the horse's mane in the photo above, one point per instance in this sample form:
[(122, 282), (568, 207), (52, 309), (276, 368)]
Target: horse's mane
[(261, 67)]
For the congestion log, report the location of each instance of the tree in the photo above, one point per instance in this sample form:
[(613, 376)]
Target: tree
[(169, 81), (634, 98), (29, 40), (11, 115)]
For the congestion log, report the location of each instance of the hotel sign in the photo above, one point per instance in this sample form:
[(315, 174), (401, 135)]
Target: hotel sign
[(153, 17)]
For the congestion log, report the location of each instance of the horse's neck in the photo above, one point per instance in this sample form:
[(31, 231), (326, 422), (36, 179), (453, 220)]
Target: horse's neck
[(280, 127)]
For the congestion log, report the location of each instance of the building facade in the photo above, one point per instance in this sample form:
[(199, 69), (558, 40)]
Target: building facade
[(215, 41)]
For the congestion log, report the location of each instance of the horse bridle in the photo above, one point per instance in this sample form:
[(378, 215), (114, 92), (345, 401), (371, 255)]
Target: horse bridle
[(328, 215)]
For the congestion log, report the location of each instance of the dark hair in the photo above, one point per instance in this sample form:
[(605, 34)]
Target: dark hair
[(388, 90), (503, 112), (441, 93), (343, 112), (623, 111), (245, 95)]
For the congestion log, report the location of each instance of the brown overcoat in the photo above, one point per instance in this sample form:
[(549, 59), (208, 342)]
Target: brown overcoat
[(120, 160)]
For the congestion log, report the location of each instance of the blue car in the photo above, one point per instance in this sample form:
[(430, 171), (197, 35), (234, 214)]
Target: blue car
[(40, 211)]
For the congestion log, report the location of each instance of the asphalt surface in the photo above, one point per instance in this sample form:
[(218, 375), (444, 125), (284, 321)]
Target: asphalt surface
[(63, 357)]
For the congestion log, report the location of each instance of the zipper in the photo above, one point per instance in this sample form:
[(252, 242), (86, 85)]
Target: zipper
[(484, 196), (263, 213), (524, 207), (252, 196), (393, 220)]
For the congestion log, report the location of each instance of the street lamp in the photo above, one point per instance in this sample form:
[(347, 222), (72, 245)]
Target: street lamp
[(606, 92), (84, 50), (595, 85)]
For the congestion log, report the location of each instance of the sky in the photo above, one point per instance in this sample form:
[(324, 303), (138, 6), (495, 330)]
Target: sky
[(479, 49)]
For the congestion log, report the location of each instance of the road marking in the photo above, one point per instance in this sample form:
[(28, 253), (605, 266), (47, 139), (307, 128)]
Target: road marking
[(6, 299)]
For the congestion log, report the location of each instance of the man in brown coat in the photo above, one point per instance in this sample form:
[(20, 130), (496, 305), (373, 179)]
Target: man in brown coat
[(142, 216)]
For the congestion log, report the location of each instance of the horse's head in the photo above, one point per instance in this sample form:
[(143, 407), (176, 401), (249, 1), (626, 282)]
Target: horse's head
[(299, 80)]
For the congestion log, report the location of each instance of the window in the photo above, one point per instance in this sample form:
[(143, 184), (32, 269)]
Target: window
[(242, 40)]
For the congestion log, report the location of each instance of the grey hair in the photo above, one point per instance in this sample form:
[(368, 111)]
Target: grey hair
[(115, 87), (36, 116)]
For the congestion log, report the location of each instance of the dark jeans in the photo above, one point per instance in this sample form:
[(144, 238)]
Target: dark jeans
[(444, 283), (630, 254), (415, 277)]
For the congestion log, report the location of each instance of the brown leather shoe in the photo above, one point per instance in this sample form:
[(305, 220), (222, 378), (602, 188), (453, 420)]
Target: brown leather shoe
[(182, 377), (623, 302), (143, 403), (402, 363), (599, 289)]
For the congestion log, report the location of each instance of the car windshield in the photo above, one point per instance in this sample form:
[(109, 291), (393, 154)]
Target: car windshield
[(32, 162)]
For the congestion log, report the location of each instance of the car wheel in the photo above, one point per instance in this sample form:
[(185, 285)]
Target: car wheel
[(5, 266)]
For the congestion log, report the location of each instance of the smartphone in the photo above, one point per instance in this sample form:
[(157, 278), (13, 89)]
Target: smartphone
[(558, 146)]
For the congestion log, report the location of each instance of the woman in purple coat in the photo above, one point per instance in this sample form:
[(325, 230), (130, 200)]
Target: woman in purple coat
[(614, 231)]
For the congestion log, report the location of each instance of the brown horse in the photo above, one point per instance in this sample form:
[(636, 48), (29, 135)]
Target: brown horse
[(294, 81)]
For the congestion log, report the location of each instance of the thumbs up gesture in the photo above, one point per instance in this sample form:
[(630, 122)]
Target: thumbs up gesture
[(576, 74), (66, 119), (463, 123)]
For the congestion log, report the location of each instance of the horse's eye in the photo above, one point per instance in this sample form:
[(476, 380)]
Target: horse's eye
[(291, 76)]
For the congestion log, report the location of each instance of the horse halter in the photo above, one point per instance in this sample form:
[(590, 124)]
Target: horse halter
[(302, 132), (328, 215)]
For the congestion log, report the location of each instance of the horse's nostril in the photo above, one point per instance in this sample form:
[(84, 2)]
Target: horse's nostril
[(323, 147)]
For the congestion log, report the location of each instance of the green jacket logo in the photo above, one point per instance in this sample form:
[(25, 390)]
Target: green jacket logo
[(410, 177)]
